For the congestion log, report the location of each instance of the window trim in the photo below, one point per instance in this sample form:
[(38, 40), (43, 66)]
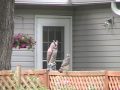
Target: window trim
[(38, 34)]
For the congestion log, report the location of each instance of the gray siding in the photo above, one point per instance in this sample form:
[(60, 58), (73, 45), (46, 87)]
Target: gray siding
[(94, 47), (25, 23)]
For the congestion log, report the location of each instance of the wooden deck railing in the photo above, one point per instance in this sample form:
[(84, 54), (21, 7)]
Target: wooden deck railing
[(53, 80), (77, 80), (23, 80)]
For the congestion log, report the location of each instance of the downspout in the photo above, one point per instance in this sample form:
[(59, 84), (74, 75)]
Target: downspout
[(114, 8)]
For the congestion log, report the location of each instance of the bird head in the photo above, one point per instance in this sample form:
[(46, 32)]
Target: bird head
[(68, 55)]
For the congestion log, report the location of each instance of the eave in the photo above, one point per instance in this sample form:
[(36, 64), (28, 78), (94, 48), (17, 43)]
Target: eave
[(60, 2)]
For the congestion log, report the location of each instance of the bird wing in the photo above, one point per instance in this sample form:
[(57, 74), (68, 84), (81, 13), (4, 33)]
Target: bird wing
[(49, 54)]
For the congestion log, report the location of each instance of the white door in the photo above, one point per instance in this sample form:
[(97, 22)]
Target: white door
[(49, 28)]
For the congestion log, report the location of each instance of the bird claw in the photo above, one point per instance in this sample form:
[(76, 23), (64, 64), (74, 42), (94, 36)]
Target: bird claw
[(60, 70)]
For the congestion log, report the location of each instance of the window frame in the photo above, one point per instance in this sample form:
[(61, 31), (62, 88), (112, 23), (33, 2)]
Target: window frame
[(38, 35)]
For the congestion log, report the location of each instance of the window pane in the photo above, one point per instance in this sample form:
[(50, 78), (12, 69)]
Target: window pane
[(60, 47), (51, 33), (59, 34), (44, 64), (58, 64), (58, 56), (44, 55), (45, 34), (45, 46)]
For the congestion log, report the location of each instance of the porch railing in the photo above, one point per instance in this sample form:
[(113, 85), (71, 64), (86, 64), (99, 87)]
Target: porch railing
[(53, 80)]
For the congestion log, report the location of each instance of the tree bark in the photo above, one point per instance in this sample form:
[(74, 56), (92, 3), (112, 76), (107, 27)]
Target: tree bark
[(6, 33)]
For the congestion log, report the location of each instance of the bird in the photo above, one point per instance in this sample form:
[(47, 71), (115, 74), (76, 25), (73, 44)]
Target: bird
[(65, 64), (52, 54)]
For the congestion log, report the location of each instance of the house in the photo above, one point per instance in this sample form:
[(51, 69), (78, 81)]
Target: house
[(87, 29)]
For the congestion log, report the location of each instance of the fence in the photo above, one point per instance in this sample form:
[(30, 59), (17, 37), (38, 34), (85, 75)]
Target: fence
[(76, 80), (23, 80), (53, 80)]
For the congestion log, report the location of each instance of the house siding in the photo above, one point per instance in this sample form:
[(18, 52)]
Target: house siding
[(94, 46), (25, 23)]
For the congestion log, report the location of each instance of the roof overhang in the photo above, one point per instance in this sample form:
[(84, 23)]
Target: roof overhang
[(59, 2), (43, 2)]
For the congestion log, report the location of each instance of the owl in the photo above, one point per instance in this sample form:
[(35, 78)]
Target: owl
[(65, 64), (52, 54)]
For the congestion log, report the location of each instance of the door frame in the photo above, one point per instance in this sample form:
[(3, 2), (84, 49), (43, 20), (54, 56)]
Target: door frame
[(38, 47)]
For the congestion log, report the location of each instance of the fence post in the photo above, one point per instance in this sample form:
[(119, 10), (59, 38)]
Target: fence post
[(18, 75), (46, 77), (106, 81), (47, 74)]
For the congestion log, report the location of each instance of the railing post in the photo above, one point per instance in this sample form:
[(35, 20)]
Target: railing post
[(18, 75), (47, 78), (48, 81), (106, 87)]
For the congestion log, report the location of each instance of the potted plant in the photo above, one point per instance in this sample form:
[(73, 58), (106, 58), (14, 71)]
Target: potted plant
[(23, 41)]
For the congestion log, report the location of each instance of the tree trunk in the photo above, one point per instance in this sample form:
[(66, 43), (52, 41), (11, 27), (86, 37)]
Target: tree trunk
[(6, 33)]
